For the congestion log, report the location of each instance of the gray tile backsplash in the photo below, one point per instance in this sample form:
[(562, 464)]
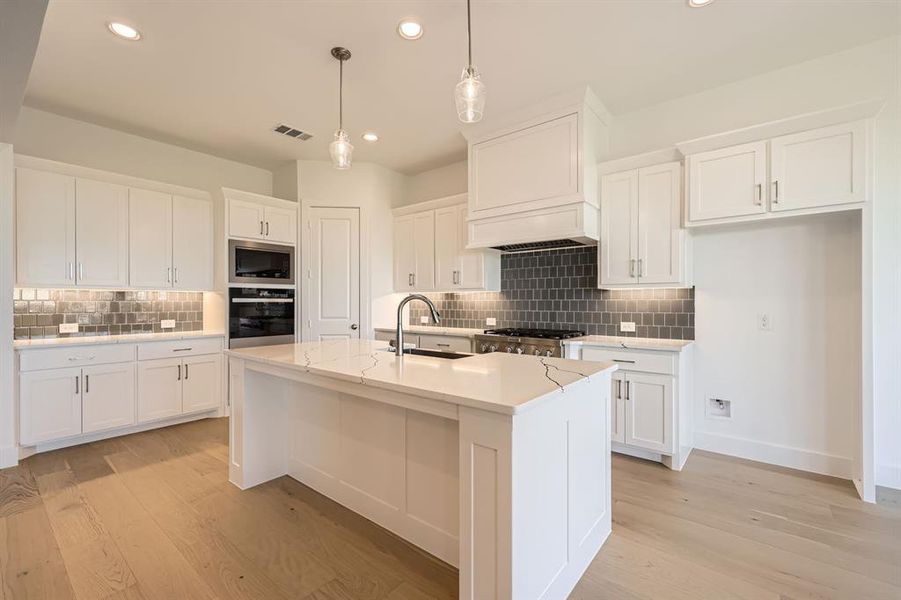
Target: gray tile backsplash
[(557, 289), (38, 313)]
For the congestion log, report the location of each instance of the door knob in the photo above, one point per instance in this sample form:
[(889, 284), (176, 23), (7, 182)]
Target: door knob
[(353, 326)]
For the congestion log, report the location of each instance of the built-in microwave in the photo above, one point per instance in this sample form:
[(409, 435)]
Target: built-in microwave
[(256, 263)]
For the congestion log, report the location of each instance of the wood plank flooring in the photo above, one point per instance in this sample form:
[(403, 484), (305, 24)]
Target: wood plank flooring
[(152, 515)]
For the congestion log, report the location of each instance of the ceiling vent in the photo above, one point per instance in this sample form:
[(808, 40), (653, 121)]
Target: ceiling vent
[(292, 132)]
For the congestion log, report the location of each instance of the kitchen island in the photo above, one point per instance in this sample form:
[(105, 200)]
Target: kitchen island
[(498, 464)]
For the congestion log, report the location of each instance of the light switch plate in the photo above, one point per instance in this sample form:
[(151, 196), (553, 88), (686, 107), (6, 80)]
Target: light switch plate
[(68, 328), (764, 322), (167, 324), (627, 326), (424, 320), (490, 322)]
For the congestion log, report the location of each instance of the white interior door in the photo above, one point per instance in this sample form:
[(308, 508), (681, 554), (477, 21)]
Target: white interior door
[(729, 182), (49, 405), (619, 228), (281, 225), (192, 243), (101, 233), (200, 383), (649, 412), (45, 228), (823, 167), (659, 229), (159, 389), (149, 238), (333, 286), (108, 398), (446, 248)]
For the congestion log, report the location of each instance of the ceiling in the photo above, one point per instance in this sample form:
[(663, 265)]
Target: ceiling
[(217, 76)]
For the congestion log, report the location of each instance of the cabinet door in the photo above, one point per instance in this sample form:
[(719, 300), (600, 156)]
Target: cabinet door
[(471, 267), (617, 408), (159, 389), (101, 233), (730, 182), (49, 405), (202, 383), (424, 251), (649, 412), (533, 164), (149, 238), (281, 225), (659, 226), (619, 229), (447, 264), (45, 228), (108, 397), (823, 167), (246, 220), (404, 254), (192, 243)]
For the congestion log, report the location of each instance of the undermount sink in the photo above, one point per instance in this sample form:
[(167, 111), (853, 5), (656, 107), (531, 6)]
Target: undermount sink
[(432, 353)]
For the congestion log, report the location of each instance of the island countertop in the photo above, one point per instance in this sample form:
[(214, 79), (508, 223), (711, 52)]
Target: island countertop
[(497, 382)]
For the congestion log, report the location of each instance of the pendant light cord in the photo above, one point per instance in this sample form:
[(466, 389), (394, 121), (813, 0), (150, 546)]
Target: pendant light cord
[(341, 94), (469, 35)]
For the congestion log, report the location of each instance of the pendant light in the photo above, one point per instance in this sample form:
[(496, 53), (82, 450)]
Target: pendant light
[(341, 150), (469, 95)]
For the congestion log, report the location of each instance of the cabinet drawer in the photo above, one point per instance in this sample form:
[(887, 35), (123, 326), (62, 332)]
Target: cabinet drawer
[(629, 360), (447, 343), (178, 348), (55, 358)]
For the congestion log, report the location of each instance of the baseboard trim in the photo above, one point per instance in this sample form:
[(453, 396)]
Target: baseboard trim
[(888, 476), (774, 454), (9, 457)]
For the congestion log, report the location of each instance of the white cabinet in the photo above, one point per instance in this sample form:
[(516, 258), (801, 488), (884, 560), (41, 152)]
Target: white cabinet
[(257, 217), (101, 233), (648, 408), (159, 389), (642, 241), (201, 383), (108, 397), (617, 407), (445, 343), (192, 243), (813, 171), (49, 405), (45, 228), (430, 250), (150, 239)]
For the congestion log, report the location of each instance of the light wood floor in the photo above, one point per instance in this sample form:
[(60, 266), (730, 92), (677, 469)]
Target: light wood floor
[(152, 516)]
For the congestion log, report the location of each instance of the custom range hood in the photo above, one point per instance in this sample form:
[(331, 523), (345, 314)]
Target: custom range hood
[(533, 182)]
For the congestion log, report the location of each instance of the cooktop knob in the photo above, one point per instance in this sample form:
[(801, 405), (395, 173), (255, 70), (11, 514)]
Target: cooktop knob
[(492, 348), (509, 348), (548, 352), (519, 350), (484, 347), (536, 352)]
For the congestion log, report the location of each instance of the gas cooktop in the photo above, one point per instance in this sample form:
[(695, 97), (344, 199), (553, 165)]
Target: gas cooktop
[(547, 334)]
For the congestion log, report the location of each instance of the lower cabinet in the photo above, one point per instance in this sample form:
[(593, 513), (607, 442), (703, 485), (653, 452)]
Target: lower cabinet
[(201, 383), (107, 397), (648, 412), (173, 386), (50, 405)]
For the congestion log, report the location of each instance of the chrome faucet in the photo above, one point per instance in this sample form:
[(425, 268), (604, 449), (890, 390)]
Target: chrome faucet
[(399, 338)]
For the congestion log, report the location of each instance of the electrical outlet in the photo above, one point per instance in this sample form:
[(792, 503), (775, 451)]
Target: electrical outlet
[(627, 326), (68, 328), (719, 408), (424, 320), (764, 322), (167, 324), (491, 322)]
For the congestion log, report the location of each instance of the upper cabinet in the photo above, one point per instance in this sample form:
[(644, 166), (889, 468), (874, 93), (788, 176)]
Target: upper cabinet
[(430, 250), (533, 176), (813, 171), (257, 217), (102, 232), (642, 241)]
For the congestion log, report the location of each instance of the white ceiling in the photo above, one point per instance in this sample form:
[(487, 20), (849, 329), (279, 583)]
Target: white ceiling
[(216, 76)]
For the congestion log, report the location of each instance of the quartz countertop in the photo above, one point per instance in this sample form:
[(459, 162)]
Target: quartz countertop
[(498, 382), (629, 343), (87, 340), (423, 329)]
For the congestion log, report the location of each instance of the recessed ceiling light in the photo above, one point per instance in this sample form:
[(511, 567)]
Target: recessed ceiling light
[(699, 3), (124, 31), (409, 29), (370, 136)]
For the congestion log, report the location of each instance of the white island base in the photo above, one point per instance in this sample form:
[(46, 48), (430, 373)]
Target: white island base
[(515, 493)]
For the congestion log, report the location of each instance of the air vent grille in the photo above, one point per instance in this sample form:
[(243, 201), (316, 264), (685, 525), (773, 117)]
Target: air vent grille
[(545, 245), (292, 132)]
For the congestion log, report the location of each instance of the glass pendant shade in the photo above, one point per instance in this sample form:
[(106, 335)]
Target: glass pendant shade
[(341, 150), (469, 96)]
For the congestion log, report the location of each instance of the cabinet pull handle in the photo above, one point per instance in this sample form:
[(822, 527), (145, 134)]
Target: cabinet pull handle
[(75, 358), (261, 228), (776, 198), (619, 389), (179, 373), (87, 384), (410, 279), (70, 270), (414, 278), (76, 384), (80, 271), (759, 194), (181, 349), (186, 372), (443, 345), (627, 390), (632, 267), (640, 267), (267, 228), (168, 274), (176, 274), (623, 360)]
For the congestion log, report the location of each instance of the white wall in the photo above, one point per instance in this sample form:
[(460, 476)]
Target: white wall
[(8, 451), (436, 183), (794, 389), (285, 181), (375, 190), (51, 136)]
